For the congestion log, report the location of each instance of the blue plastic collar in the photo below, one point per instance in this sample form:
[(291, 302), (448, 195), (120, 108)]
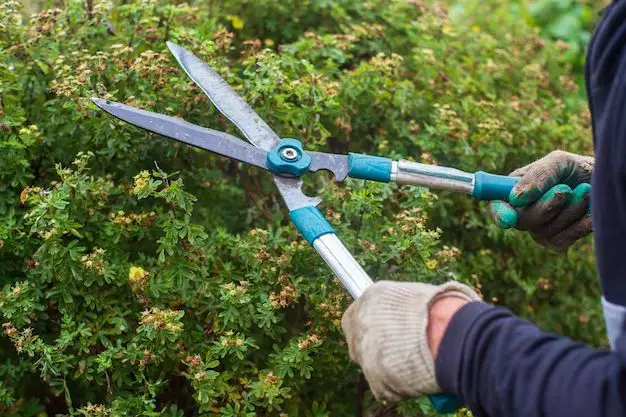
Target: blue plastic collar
[(310, 223), (492, 187), (445, 404)]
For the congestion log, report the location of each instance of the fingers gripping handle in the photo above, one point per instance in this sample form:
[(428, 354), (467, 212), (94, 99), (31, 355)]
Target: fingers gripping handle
[(321, 235)]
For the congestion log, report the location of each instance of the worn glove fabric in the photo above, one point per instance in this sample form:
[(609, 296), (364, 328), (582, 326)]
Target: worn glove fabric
[(386, 331), (551, 201)]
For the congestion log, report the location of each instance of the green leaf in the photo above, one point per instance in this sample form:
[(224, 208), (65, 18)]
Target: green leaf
[(566, 26)]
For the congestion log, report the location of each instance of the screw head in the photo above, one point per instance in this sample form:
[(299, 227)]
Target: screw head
[(289, 154)]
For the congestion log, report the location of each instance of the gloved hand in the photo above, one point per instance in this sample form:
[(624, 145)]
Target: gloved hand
[(551, 201), (387, 334)]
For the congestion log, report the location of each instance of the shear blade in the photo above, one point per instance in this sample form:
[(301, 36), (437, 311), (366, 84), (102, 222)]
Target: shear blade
[(225, 99), (291, 191), (182, 131), (335, 163), (253, 127)]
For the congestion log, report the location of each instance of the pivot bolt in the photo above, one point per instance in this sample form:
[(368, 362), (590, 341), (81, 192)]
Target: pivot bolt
[(288, 158), (289, 154)]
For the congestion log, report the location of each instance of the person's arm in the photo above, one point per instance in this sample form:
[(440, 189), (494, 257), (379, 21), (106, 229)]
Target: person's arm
[(501, 365), (605, 74), (545, 207), (413, 339)]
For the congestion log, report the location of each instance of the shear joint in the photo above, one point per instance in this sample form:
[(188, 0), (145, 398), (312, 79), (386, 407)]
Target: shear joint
[(288, 157)]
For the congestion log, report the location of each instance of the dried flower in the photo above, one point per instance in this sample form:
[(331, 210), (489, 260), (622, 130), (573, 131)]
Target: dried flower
[(162, 319), (284, 297), (95, 260), (312, 339)]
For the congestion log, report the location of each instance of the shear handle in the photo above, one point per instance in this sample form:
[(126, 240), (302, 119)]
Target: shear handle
[(480, 185), (321, 235)]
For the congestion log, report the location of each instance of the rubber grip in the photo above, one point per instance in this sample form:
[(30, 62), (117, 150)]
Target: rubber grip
[(366, 167), (493, 187), (311, 223), (444, 403)]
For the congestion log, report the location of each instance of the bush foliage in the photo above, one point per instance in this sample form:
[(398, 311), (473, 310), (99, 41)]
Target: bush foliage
[(141, 277)]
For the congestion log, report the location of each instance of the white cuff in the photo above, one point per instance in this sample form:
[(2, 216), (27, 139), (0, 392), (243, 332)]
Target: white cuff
[(614, 319)]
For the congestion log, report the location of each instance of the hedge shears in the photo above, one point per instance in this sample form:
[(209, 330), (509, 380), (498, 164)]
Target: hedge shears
[(287, 160)]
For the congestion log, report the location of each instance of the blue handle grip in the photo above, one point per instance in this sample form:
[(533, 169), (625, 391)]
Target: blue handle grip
[(311, 223), (445, 404), (367, 167), (493, 187)]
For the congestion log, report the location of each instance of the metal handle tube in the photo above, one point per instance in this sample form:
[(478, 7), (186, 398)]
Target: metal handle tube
[(432, 176), (343, 264)]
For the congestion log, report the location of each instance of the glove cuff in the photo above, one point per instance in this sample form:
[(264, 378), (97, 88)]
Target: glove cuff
[(403, 313)]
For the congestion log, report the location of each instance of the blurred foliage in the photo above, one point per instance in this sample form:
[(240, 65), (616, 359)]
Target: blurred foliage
[(570, 21), (141, 277)]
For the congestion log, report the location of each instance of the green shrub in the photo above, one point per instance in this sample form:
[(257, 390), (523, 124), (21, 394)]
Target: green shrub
[(142, 277), (569, 21)]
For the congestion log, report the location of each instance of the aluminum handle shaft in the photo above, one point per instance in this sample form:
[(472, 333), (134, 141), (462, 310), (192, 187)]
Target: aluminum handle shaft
[(343, 264), (432, 176)]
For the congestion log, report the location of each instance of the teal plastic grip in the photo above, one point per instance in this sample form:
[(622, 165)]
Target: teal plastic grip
[(366, 167), (493, 187), (310, 223), (445, 404)]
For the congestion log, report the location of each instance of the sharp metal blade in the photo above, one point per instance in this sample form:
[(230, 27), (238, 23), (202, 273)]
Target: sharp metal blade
[(182, 131), (291, 188), (335, 163), (254, 128), (291, 191), (227, 101)]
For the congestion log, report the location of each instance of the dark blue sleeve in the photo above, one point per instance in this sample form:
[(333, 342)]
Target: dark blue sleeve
[(500, 365), (605, 74)]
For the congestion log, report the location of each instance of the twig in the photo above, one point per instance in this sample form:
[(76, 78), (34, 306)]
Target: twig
[(89, 7), (361, 389), (167, 25), (163, 174)]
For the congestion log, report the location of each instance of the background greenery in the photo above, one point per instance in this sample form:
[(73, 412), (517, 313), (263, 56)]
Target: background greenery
[(142, 277)]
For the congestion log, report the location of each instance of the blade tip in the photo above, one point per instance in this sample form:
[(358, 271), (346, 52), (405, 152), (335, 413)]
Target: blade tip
[(105, 104), (174, 48)]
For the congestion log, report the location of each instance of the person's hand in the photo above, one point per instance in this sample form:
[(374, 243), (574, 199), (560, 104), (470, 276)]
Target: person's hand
[(551, 201), (394, 330)]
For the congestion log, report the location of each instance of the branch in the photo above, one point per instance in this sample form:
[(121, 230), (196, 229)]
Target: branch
[(89, 8)]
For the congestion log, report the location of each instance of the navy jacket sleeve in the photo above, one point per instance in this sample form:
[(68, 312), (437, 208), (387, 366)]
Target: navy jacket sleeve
[(501, 365), (605, 74)]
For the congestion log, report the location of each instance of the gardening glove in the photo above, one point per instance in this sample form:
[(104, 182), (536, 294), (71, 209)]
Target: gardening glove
[(551, 201), (386, 330)]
